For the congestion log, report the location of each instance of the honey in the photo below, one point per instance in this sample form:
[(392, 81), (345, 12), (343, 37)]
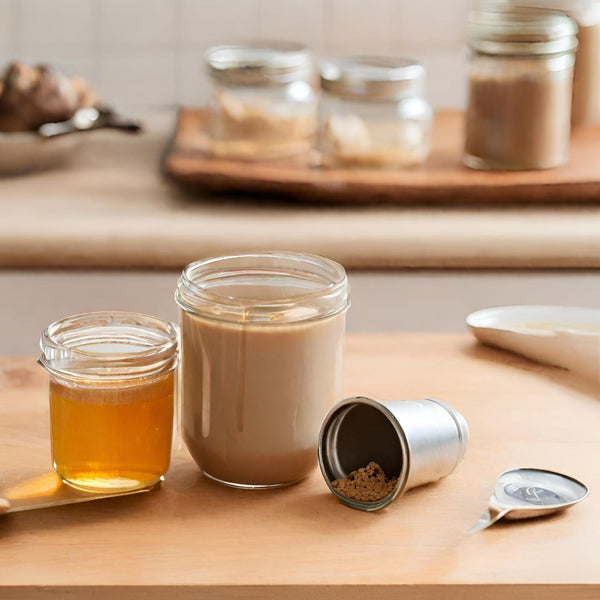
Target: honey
[(111, 392), (112, 437)]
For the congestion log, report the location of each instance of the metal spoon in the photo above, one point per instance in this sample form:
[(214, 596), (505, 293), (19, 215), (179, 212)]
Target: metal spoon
[(86, 119), (527, 493), (50, 490)]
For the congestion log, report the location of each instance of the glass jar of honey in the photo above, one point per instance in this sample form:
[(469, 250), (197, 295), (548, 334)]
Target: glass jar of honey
[(264, 100), (111, 385)]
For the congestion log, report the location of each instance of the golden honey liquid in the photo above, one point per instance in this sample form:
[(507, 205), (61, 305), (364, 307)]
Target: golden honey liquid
[(111, 436)]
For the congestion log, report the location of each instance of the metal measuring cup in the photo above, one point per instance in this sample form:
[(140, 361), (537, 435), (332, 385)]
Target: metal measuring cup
[(417, 441)]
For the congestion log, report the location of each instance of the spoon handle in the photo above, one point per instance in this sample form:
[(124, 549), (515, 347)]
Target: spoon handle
[(49, 130), (489, 517)]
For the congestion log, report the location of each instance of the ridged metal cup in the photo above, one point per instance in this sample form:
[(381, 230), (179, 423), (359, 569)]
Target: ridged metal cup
[(417, 441)]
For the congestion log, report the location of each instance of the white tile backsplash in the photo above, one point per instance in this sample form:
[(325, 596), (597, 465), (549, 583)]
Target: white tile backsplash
[(207, 22), (55, 21), (6, 55), (149, 52), (446, 85), (359, 26), (6, 23), (128, 22), (193, 85), (298, 20), (138, 80), (431, 22)]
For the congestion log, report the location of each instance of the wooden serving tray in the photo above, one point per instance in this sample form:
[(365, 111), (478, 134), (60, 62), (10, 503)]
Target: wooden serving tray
[(441, 180)]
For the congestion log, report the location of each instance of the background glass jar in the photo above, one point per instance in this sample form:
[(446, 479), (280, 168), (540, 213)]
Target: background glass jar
[(262, 341), (585, 109), (111, 398), (373, 112), (520, 85), (264, 103)]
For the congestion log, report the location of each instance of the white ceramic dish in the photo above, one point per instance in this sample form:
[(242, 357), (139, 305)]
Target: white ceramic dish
[(563, 336), (21, 152)]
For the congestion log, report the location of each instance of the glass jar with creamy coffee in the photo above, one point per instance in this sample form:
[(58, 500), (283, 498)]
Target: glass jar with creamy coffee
[(262, 340), (264, 101), (520, 86), (373, 113)]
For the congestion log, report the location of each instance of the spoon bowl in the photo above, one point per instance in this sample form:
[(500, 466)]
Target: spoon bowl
[(526, 493)]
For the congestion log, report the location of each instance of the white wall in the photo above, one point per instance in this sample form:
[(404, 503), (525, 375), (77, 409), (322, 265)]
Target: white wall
[(384, 301), (149, 52)]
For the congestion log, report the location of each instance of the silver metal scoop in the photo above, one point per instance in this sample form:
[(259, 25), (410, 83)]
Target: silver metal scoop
[(87, 119), (527, 493)]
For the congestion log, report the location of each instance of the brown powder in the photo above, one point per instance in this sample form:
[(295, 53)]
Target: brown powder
[(585, 111), (518, 118), (367, 484)]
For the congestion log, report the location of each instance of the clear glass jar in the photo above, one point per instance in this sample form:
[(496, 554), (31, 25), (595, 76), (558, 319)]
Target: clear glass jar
[(262, 341), (520, 85), (111, 398), (264, 102), (585, 109), (373, 113)]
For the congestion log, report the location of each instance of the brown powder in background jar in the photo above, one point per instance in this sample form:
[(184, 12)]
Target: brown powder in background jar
[(367, 484), (518, 115), (585, 111)]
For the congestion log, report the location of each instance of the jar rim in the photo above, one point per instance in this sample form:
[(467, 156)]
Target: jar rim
[(109, 346), (521, 31), (372, 76), (322, 287), (259, 62), (584, 12)]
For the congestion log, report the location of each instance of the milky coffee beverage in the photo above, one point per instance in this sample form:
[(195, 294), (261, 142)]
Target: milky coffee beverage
[(262, 341)]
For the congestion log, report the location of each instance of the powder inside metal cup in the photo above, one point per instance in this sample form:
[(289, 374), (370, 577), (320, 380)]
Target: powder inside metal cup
[(367, 484)]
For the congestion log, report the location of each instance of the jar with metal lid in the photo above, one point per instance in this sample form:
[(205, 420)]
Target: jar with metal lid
[(111, 387), (262, 340), (585, 109), (264, 101), (520, 86), (373, 113)]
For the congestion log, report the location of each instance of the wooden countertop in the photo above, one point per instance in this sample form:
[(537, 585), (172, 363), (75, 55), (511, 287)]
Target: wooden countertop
[(194, 538), (112, 209)]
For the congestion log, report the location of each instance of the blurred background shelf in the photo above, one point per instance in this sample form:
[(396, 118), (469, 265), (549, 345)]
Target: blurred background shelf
[(442, 180), (109, 231)]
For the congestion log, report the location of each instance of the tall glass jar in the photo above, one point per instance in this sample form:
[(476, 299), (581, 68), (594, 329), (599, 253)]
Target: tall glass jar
[(585, 110), (262, 341), (373, 112), (111, 387), (520, 85), (264, 101)]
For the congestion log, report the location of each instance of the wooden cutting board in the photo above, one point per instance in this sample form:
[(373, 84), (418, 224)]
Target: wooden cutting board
[(196, 539), (441, 180)]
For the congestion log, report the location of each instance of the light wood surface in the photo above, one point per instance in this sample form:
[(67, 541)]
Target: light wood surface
[(442, 179), (196, 539), (112, 209)]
